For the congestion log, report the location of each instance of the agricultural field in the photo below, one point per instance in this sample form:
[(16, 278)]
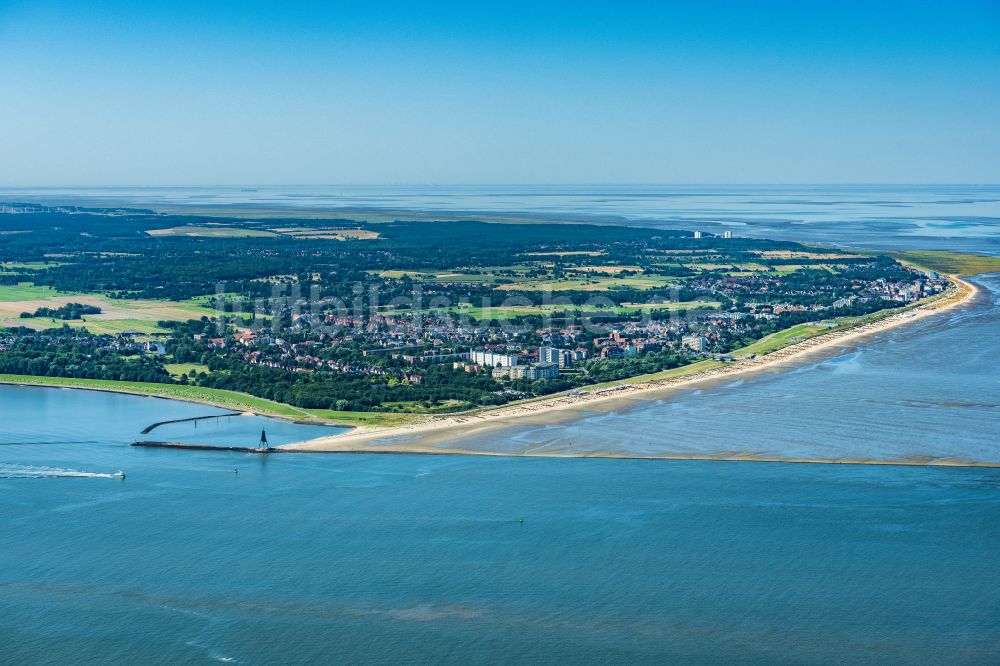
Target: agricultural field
[(178, 369), (949, 263), (12, 266), (504, 312), (678, 305), (105, 326), (787, 269), (485, 275), (591, 284), (772, 262), (789, 254), (23, 291), (209, 300), (576, 253), (193, 231), (117, 316), (608, 270), (563, 273), (328, 234)]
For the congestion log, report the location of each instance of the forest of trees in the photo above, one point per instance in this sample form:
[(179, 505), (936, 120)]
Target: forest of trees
[(68, 312), (69, 352)]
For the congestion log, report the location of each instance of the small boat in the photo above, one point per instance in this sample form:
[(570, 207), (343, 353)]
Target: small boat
[(120, 474)]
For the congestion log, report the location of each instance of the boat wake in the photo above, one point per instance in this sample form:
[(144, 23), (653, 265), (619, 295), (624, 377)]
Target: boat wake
[(33, 472)]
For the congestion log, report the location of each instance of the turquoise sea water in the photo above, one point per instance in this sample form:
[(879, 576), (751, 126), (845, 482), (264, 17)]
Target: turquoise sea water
[(323, 558), (381, 558)]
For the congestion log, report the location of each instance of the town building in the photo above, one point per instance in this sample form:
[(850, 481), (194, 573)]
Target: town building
[(542, 371), (531, 372), (154, 347), (509, 372), (695, 342), (492, 359), (561, 357)]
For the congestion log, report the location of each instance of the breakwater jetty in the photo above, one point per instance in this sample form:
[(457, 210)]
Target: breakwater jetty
[(150, 428), (203, 447), (727, 456)]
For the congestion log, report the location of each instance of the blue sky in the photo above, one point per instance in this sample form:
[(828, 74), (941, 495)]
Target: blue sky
[(201, 93)]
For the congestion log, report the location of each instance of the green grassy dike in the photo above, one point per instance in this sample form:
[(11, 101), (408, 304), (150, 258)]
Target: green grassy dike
[(233, 400)]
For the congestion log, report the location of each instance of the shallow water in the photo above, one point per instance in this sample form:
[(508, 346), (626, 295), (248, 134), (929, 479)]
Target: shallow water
[(348, 558), (961, 217)]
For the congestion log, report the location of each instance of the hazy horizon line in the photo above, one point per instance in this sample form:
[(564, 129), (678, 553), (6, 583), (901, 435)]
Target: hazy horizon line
[(510, 184)]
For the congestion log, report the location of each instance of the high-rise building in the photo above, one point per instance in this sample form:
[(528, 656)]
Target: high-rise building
[(695, 342), (697, 234), (530, 372), (490, 359), (542, 371), (727, 234), (510, 371), (561, 357)]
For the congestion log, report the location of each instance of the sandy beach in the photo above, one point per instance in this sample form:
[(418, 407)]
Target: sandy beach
[(426, 437)]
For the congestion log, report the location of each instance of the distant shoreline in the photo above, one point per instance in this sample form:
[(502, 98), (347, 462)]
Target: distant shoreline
[(444, 428)]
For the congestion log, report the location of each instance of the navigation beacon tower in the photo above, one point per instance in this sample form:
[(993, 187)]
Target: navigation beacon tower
[(264, 446)]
